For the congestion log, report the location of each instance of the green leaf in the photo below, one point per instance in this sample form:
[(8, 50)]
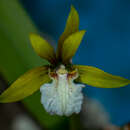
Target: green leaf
[(97, 78), (71, 45), (72, 26), (16, 26), (42, 48), (17, 56), (26, 85)]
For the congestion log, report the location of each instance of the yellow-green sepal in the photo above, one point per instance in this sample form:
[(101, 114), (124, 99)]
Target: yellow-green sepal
[(26, 85), (42, 48), (72, 26), (71, 45), (97, 78)]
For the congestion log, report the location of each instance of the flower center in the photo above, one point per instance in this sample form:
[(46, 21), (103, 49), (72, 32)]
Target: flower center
[(62, 96)]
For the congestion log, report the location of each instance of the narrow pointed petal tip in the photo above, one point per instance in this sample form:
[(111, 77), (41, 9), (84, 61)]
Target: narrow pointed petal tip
[(71, 45), (72, 26), (97, 78), (42, 47), (26, 85)]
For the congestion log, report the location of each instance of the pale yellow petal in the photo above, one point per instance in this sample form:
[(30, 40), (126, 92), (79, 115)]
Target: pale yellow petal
[(71, 45), (97, 78), (42, 48), (72, 26), (26, 85)]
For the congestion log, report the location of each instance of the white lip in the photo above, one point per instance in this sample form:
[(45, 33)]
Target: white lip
[(62, 97)]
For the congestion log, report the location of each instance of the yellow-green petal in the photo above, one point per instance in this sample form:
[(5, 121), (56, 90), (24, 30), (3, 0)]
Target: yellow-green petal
[(97, 78), (26, 85), (72, 25), (71, 45), (42, 48)]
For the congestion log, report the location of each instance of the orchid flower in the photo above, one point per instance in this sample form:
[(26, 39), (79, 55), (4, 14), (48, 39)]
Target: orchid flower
[(61, 81)]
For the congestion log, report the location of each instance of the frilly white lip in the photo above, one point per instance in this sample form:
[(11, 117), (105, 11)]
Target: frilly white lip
[(62, 96)]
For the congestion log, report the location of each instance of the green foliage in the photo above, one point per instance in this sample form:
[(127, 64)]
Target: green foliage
[(17, 55)]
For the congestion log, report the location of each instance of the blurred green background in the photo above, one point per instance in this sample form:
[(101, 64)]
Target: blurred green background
[(17, 56)]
